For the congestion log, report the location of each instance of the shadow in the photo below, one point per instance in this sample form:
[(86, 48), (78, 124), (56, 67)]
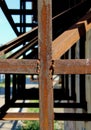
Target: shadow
[(1, 125), (2, 90), (16, 122), (89, 19), (81, 27), (67, 19), (14, 125)]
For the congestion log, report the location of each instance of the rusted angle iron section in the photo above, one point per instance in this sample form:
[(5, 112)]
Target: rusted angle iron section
[(24, 49), (21, 66), (57, 116), (19, 41), (45, 53), (76, 66), (20, 116), (8, 13), (31, 34), (62, 43), (67, 39)]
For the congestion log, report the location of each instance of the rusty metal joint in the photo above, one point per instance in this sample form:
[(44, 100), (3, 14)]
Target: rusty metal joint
[(38, 66), (52, 68)]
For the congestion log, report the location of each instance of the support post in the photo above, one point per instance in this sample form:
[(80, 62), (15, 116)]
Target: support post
[(7, 89), (14, 87), (45, 56)]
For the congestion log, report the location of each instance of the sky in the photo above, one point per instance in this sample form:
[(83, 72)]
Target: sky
[(6, 32)]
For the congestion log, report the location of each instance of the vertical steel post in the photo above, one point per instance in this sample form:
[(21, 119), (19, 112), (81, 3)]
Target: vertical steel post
[(14, 87), (7, 89), (82, 77), (45, 55)]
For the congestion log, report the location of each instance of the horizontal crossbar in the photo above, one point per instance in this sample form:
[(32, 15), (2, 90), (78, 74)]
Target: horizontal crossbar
[(73, 116), (74, 66), (21, 66), (57, 116), (18, 66), (21, 116)]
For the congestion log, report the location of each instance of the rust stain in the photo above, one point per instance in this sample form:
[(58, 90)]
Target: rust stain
[(45, 39), (45, 25), (44, 54)]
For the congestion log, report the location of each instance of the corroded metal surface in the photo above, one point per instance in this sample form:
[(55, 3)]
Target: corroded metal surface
[(45, 55), (24, 49), (29, 36), (21, 116), (18, 66), (47, 65), (65, 41), (76, 66)]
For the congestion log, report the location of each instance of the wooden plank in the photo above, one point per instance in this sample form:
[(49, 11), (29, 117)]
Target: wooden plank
[(45, 55), (21, 116), (18, 66), (66, 40), (77, 66)]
